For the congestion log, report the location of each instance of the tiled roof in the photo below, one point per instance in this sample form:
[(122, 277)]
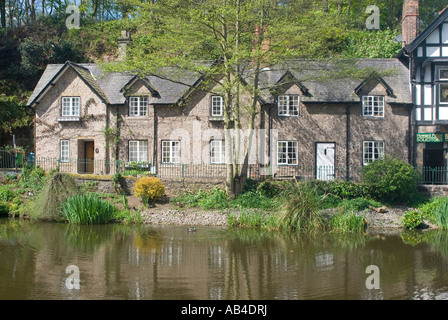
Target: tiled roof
[(323, 81)]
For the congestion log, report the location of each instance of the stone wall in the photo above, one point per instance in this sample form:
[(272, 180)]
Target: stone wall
[(173, 187), (433, 190)]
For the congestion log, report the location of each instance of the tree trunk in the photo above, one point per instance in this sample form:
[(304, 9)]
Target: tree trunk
[(3, 14)]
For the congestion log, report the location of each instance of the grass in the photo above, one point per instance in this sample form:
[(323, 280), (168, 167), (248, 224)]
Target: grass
[(88, 209), (251, 219), (347, 222)]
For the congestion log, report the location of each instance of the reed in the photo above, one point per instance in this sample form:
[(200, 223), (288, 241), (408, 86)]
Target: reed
[(87, 209), (436, 210)]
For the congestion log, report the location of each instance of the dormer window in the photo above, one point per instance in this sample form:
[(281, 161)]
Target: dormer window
[(217, 108), (138, 106), (71, 106), (373, 106), (288, 105)]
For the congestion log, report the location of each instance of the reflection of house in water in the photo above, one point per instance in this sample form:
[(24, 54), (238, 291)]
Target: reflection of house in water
[(162, 263)]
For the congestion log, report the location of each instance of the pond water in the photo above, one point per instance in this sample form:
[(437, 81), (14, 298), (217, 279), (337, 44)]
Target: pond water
[(134, 262)]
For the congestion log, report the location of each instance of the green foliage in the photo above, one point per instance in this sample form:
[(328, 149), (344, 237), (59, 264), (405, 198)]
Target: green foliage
[(371, 44), (253, 199), (411, 219), (338, 188), (390, 180), (87, 209), (359, 204), (436, 210)]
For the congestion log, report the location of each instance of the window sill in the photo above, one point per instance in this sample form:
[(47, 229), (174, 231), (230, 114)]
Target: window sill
[(69, 119), (216, 118), (373, 117)]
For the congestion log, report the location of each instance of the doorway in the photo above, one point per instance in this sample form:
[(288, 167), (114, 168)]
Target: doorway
[(325, 160), (89, 152), (434, 165)]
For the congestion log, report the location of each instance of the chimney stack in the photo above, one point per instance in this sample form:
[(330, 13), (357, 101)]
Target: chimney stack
[(410, 22), (123, 40)]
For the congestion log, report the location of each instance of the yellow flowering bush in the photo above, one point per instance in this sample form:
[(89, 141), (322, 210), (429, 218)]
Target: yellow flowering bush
[(149, 188), (411, 219)]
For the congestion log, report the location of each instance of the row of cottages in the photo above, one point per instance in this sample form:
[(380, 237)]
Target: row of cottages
[(306, 128)]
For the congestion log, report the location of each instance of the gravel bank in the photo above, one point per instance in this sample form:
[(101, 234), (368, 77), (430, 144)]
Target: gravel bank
[(172, 215)]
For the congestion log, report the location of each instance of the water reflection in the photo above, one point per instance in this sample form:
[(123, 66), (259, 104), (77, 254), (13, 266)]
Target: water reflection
[(168, 262)]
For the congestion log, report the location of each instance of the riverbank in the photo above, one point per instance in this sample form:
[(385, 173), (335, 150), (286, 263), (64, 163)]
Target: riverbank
[(169, 214)]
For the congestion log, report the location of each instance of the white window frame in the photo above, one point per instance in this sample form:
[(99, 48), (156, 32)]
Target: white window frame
[(64, 149), (288, 157), (217, 106), (138, 106), (217, 152), (170, 151), (71, 106), (288, 105), (373, 106), (138, 150), (372, 151)]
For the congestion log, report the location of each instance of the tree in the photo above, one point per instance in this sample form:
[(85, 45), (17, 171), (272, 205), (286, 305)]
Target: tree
[(244, 37)]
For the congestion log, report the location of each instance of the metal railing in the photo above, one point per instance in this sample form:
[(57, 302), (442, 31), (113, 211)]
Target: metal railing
[(196, 170), (11, 160), (432, 175)]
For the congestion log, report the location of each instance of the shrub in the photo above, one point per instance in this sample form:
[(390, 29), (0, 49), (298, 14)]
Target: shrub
[(6, 194), (149, 188), (215, 199), (87, 209), (411, 219), (270, 188), (390, 180)]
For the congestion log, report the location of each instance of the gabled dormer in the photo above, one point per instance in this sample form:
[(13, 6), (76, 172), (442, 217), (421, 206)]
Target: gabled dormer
[(372, 93), (138, 93), (287, 93), (429, 72)]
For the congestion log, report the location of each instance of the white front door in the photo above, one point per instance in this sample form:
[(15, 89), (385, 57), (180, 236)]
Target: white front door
[(325, 161)]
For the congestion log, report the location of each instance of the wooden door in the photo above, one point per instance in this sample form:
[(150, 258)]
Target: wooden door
[(89, 151)]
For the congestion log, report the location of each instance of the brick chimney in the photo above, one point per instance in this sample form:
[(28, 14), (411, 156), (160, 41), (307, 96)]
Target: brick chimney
[(123, 40), (410, 22)]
